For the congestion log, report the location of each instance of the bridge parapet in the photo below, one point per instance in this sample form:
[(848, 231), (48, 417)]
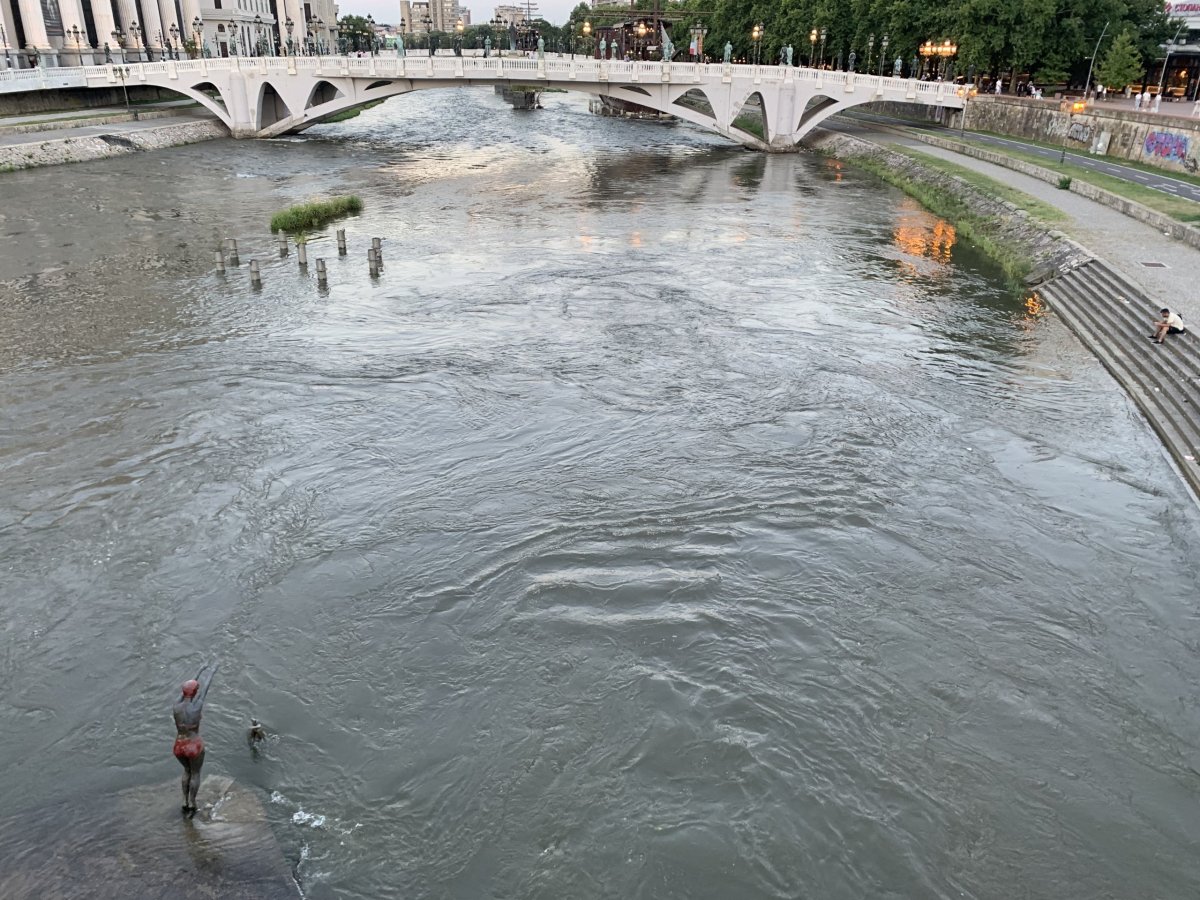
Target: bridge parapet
[(266, 96)]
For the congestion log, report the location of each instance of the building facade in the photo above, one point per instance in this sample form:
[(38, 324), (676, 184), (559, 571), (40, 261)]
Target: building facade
[(92, 32)]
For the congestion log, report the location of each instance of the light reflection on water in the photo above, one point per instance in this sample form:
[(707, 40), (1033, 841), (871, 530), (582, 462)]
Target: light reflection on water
[(667, 521)]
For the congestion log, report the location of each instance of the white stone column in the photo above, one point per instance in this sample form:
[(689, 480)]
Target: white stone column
[(293, 10), (191, 9), (9, 24), (103, 20), (166, 11), (72, 17), (150, 28), (35, 26), (127, 11)]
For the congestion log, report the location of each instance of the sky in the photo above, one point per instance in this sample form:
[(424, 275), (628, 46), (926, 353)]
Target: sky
[(553, 11)]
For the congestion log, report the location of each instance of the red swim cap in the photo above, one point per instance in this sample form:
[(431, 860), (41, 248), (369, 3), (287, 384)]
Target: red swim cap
[(190, 687)]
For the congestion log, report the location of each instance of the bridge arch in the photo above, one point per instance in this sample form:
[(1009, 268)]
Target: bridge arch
[(270, 107), (324, 92)]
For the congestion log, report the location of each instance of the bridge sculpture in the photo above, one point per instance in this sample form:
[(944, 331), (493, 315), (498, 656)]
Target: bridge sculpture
[(269, 96)]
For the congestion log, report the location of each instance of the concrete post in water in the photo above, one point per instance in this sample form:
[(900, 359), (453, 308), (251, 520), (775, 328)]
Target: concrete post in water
[(255, 277), (373, 263), (234, 260), (377, 246), (322, 276), (283, 245), (341, 238), (302, 254), (220, 255)]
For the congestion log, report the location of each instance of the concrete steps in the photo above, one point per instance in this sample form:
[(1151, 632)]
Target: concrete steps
[(1114, 318)]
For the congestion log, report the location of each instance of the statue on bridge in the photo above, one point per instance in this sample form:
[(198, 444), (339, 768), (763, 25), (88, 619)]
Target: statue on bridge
[(400, 46), (788, 54), (728, 52), (487, 46), (914, 66), (668, 49), (853, 59), (541, 47), (107, 53), (603, 49)]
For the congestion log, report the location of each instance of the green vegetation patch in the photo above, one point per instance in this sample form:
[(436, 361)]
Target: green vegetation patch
[(351, 113), (980, 230), (314, 214)]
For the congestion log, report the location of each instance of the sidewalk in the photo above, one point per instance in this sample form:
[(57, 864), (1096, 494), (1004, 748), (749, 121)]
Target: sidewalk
[(115, 128), (91, 112), (1124, 243)]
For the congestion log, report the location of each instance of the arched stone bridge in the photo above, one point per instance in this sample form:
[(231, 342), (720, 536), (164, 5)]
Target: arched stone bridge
[(269, 96)]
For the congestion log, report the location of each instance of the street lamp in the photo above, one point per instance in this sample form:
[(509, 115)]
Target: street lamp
[(1087, 84), (136, 34), (697, 31), (883, 45), (258, 39), (823, 47), (74, 33), (122, 72), (4, 41), (198, 30), (756, 36), (587, 37), (288, 25), (458, 32), (812, 47), (371, 34), (870, 50), (641, 38), (233, 39), (428, 23), (1162, 77), (174, 30), (119, 39)]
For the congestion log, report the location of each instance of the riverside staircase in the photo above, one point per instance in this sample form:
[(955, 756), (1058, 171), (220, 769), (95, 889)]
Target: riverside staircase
[(1113, 319)]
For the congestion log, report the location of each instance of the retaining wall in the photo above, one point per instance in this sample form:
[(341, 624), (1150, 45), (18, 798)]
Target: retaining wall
[(81, 149), (59, 99)]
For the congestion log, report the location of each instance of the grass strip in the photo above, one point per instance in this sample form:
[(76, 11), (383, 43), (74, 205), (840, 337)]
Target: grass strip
[(351, 113), (1039, 209), (314, 214), (980, 230), (1178, 208)]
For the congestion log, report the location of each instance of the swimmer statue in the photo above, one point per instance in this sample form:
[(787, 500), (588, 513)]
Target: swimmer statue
[(189, 748)]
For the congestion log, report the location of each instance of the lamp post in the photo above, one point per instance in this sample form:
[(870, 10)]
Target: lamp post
[(288, 25), (1087, 84), (458, 33), (697, 32), (233, 39), (136, 34), (883, 45), (756, 36), (870, 50), (174, 29), (4, 41), (1163, 75), (428, 23), (822, 57), (641, 39), (1076, 106), (371, 32), (119, 39), (122, 72), (587, 37), (74, 33), (812, 47), (198, 30), (258, 35)]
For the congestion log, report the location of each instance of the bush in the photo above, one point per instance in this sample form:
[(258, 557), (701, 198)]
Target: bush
[(314, 214), (1064, 183)]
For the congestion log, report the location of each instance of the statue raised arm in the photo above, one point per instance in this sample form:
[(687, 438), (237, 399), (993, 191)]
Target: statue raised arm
[(189, 747)]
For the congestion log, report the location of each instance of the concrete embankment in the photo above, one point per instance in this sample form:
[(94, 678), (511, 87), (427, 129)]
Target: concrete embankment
[(80, 145), (1109, 313)]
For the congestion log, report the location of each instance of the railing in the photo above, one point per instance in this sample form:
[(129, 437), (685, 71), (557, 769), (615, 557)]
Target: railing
[(496, 67)]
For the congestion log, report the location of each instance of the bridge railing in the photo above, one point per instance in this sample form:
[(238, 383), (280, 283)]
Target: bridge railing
[(508, 68)]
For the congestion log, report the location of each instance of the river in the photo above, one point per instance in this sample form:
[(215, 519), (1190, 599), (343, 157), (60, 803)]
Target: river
[(667, 521)]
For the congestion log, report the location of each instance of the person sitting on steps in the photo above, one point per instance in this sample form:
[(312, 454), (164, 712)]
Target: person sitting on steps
[(1170, 323)]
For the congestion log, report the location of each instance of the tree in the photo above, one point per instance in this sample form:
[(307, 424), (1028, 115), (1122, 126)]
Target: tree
[(1122, 63)]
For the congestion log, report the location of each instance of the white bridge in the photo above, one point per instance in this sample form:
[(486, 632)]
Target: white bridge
[(269, 96)]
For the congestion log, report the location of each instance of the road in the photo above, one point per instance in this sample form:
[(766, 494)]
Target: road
[(1175, 187)]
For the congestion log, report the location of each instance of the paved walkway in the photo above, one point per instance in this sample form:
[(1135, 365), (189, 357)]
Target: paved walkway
[(1125, 243), (91, 112), (38, 137)]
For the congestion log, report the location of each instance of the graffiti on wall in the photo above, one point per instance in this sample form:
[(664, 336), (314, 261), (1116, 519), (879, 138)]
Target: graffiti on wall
[(1165, 145), (1080, 131)]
